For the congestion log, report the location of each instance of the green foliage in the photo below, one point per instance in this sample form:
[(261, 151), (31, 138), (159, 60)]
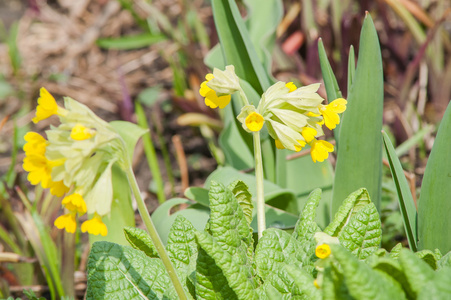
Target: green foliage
[(220, 262)]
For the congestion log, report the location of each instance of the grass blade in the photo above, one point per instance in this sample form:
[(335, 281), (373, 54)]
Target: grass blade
[(359, 161), (351, 68), (406, 204)]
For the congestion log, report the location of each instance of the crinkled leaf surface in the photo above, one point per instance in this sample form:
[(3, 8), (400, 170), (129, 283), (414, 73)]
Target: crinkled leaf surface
[(140, 240), (181, 246), (364, 282), (121, 272), (418, 272), (350, 206), (428, 257), (276, 246), (241, 192), (439, 287), (445, 261), (218, 275), (363, 234)]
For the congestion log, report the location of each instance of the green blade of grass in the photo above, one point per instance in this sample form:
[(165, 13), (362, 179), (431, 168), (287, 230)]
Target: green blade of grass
[(351, 68), (359, 160), (406, 204), (236, 44), (434, 223), (130, 42), (414, 140)]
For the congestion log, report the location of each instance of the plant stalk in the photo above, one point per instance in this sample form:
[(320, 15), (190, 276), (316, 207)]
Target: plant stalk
[(154, 235), (261, 221)]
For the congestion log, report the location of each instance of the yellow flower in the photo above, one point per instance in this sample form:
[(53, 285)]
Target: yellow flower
[(279, 145), (301, 145), (36, 143), (322, 251), (75, 203), (254, 121), (308, 133), (291, 86), (315, 283), (211, 98), (58, 188), (320, 150), (67, 222), (80, 133), (330, 112), (47, 107), (94, 226)]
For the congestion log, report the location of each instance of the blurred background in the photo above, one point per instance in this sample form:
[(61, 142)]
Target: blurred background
[(113, 54)]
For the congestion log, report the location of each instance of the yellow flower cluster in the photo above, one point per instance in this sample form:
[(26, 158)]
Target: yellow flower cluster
[(67, 163), (323, 251), (293, 116)]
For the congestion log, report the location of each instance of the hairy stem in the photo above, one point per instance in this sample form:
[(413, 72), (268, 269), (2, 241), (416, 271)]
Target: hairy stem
[(261, 221)]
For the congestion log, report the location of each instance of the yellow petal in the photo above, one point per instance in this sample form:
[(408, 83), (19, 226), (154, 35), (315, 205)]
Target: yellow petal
[(320, 150), (279, 145), (67, 222), (338, 105), (75, 202), (309, 133), (300, 146), (46, 106), (204, 89), (80, 133), (94, 226), (58, 188), (291, 86), (323, 251), (209, 76), (254, 121)]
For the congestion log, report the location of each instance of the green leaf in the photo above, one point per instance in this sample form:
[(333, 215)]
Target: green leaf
[(434, 223), (364, 282), (428, 257), (439, 288), (359, 158), (418, 272), (445, 261), (414, 140), (237, 46), (140, 240), (351, 205), (244, 198), (351, 67), (277, 246), (228, 225), (303, 281), (162, 218), (130, 42), (181, 244), (232, 282), (120, 272), (237, 153), (130, 133), (405, 199), (306, 227), (362, 234)]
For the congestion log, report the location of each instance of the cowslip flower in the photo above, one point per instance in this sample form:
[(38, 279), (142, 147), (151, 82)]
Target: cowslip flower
[(77, 158), (323, 251), (330, 112), (218, 87), (47, 107)]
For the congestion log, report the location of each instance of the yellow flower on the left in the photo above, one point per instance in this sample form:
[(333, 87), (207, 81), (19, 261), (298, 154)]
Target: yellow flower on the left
[(330, 112), (47, 106), (211, 98), (67, 222)]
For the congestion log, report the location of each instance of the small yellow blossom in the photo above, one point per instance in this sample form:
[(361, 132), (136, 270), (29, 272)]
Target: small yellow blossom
[(67, 222), (322, 251), (315, 283), (254, 121), (36, 143), (320, 150), (301, 145), (291, 86), (46, 106), (58, 188), (95, 226), (309, 134), (75, 202), (330, 112), (211, 98), (80, 133)]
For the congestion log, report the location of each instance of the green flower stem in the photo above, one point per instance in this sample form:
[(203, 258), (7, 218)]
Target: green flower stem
[(154, 236), (261, 221), (244, 98)]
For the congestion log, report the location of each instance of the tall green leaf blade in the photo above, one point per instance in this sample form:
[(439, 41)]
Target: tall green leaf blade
[(140, 240), (364, 282), (405, 199), (130, 42), (362, 234), (359, 161), (434, 223), (236, 44), (218, 274), (120, 272), (351, 67)]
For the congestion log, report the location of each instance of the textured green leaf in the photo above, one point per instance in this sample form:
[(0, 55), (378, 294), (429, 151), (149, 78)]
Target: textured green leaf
[(287, 282), (405, 199), (276, 246), (359, 157), (181, 247), (445, 261), (306, 227), (439, 287), (228, 225), (350, 206), (121, 272), (364, 282), (362, 234), (428, 257), (394, 253), (140, 240), (218, 275), (244, 198), (434, 223), (237, 46), (418, 272), (333, 285)]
